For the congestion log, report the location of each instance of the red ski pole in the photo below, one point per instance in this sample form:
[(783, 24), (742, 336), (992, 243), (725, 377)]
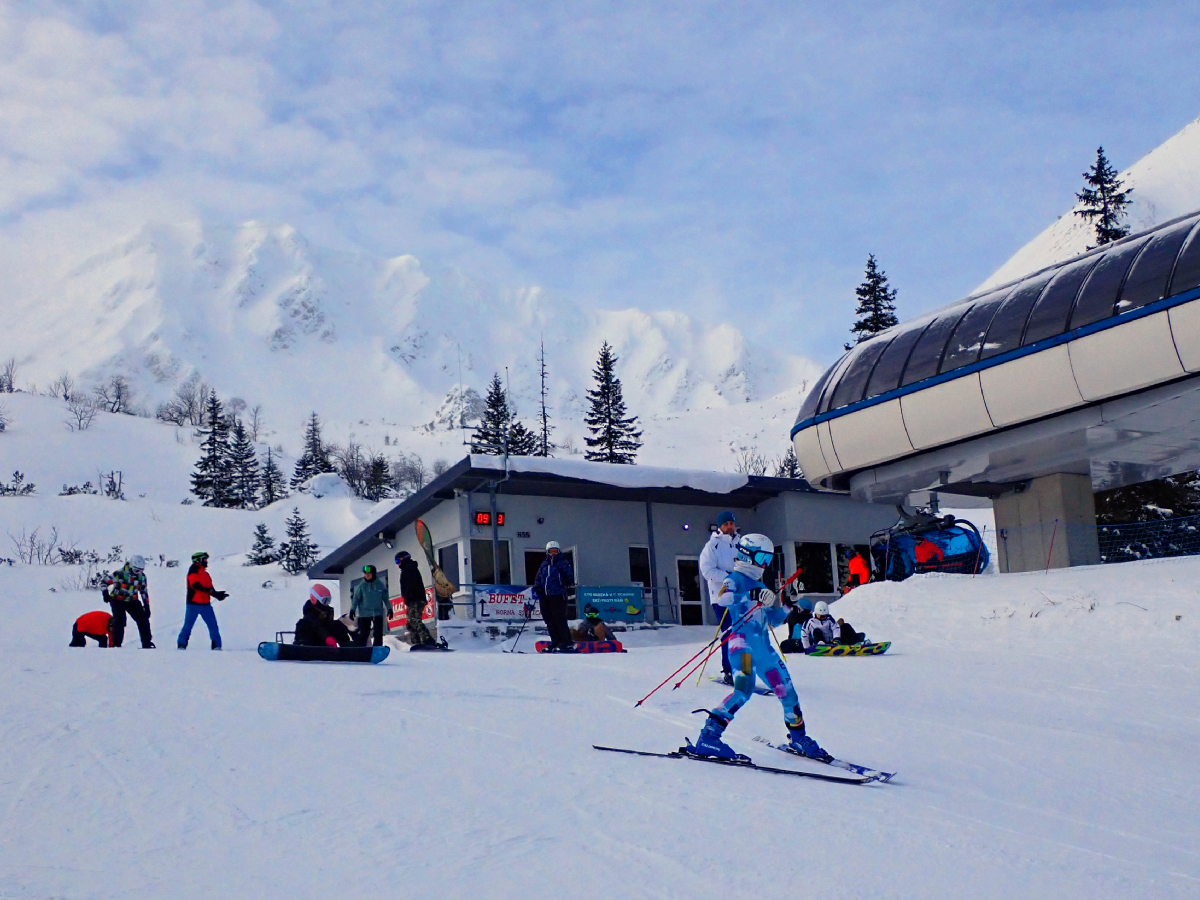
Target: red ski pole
[(701, 650)]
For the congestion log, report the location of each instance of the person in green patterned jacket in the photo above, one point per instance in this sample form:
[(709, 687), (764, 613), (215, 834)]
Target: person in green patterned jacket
[(126, 591)]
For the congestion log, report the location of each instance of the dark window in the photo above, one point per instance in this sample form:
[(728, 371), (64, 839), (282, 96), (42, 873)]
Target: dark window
[(816, 567), (853, 380), (846, 552), (1053, 309), (691, 610), (927, 355), (1187, 269), (835, 376), (808, 408), (1004, 333), (1099, 294), (887, 372), (1147, 281), (448, 562), (482, 570), (639, 566), (963, 347)]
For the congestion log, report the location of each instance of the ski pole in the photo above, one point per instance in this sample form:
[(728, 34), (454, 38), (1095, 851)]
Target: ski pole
[(519, 633), (716, 648), (698, 652), (716, 634)]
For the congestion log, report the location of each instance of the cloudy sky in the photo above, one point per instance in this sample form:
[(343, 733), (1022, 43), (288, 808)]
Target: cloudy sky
[(737, 160)]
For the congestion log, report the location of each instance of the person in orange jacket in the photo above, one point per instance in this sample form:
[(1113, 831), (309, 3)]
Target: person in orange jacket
[(200, 592), (96, 625), (860, 573)]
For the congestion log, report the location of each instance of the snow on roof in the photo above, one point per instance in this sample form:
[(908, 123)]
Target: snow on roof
[(619, 476)]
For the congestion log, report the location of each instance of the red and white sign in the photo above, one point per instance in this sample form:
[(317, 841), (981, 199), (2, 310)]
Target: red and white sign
[(399, 617), (503, 601)]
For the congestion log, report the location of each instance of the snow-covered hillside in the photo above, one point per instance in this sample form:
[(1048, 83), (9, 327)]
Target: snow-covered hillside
[(378, 346), (1166, 184)]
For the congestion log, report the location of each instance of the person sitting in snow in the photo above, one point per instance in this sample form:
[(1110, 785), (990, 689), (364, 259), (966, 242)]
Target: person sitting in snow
[(822, 629), (96, 625), (318, 627), (592, 628)]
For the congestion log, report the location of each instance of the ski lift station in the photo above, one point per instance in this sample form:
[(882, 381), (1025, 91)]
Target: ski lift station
[(1080, 377), (633, 533)]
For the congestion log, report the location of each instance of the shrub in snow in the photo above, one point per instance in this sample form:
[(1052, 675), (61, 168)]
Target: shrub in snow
[(327, 485), (17, 487), (71, 490), (4, 419), (264, 552)]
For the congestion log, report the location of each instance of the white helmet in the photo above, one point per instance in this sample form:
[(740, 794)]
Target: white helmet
[(138, 563), (552, 545), (821, 609), (755, 549)]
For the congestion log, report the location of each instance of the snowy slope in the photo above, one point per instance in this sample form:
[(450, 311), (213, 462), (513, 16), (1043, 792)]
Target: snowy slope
[(377, 346), (1043, 727), (1166, 184)]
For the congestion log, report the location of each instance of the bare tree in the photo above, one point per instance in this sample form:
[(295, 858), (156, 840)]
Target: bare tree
[(4, 419), (82, 412), (751, 462), (8, 375), (256, 423), (63, 386), (440, 466), (188, 405), (116, 396), (409, 475), (33, 549)]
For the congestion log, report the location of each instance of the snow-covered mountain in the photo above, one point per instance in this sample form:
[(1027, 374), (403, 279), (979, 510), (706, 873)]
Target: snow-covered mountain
[(379, 347), (1166, 184)]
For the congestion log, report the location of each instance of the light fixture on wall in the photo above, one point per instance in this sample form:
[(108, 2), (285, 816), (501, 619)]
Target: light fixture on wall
[(541, 520), (686, 527), (383, 539)]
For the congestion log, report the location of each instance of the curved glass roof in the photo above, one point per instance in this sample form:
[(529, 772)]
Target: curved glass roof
[(1108, 281)]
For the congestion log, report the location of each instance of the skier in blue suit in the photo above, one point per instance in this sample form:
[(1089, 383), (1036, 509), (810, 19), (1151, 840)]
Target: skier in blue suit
[(751, 653)]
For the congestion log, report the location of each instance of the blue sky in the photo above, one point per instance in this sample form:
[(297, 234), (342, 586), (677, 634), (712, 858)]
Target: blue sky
[(735, 160)]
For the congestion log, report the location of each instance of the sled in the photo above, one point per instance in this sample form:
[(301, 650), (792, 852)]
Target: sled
[(273, 650), (587, 647), (865, 649)]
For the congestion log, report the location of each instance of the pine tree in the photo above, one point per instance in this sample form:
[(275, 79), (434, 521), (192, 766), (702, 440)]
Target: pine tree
[(1103, 202), (264, 552), (491, 435), (315, 458), (297, 553), (271, 481), (522, 441), (615, 437), (379, 479), (876, 304), (213, 479), (243, 465), (788, 466), (543, 445)]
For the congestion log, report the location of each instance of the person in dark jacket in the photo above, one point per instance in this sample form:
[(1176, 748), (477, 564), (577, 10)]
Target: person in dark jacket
[(200, 594), (318, 627), (592, 628), (554, 578), (125, 590), (412, 589)]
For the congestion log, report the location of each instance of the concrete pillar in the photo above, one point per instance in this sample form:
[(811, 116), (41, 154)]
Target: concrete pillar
[(1058, 509)]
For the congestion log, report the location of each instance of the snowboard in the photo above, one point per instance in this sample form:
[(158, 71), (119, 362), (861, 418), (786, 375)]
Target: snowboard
[(587, 647), (272, 651), (866, 649)]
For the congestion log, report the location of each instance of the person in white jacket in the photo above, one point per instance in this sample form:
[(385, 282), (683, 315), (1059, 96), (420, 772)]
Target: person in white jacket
[(717, 560)]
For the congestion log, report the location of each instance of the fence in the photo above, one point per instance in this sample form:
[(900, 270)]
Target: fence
[(1149, 540)]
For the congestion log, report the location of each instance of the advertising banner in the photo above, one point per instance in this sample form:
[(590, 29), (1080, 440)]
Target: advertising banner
[(399, 617), (616, 604), (503, 601)]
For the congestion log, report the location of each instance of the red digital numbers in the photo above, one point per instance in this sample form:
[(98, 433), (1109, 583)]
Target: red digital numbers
[(483, 517)]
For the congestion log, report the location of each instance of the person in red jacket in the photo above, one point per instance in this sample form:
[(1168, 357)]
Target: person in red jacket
[(200, 592), (96, 625)]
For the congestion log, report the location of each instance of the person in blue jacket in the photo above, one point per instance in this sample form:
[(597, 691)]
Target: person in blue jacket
[(753, 608), (554, 578)]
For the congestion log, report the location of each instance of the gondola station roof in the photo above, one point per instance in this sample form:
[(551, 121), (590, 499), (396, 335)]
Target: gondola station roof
[(565, 478)]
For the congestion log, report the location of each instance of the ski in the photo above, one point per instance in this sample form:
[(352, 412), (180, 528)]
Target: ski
[(870, 774), (758, 689), (682, 753)]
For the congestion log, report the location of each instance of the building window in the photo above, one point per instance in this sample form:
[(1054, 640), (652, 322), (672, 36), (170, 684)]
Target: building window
[(639, 566), (691, 607), (816, 563), (483, 571), (844, 553)]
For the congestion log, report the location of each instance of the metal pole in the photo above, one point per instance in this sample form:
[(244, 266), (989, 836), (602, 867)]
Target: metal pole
[(495, 536), (653, 559)]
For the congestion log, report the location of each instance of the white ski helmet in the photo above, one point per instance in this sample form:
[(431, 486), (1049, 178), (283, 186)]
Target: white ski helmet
[(821, 609), (137, 563), (552, 545), (755, 549)]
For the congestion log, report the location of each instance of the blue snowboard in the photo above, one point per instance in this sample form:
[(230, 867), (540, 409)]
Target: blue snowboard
[(271, 650)]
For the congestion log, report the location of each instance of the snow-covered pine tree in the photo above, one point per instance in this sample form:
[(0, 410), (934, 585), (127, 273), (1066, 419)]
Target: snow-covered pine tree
[(876, 304), (1102, 202), (788, 466), (243, 465), (272, 485), (315, 458), (212, 481), (264, 552), (297, 553), (615, 436), (543, 447), (522, 441), (378, 484), (490, 436)]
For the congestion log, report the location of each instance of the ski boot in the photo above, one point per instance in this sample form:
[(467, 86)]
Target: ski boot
[(709, 743), (802, 745), (568, 648)]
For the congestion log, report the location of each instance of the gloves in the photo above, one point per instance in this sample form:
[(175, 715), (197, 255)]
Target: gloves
[(766, 597), (330, 642), (220, 595)]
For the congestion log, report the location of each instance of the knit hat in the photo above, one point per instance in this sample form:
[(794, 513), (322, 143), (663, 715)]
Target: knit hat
[(724, 517)]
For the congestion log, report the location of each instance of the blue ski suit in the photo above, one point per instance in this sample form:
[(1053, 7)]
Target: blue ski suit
[(751, 654)]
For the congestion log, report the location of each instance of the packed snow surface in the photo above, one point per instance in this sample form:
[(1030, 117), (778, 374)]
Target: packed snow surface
[(620, 476), (1043, 726)]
